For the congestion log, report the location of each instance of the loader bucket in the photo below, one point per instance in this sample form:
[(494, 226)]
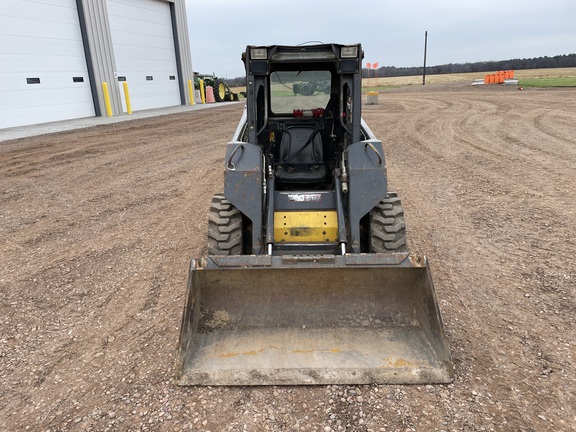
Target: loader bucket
[(273, 320)]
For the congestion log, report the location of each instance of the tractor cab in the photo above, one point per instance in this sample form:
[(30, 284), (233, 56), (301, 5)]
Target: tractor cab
[(300, 109)]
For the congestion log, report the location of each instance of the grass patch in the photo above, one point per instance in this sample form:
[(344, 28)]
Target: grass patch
[(282, 93), (549, 82)]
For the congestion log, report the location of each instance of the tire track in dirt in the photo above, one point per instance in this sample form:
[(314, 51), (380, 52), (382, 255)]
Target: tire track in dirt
[(96, 252), (122, 193), (471, 198)]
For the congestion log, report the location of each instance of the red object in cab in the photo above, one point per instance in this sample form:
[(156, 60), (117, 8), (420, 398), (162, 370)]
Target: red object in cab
[(316, 112)]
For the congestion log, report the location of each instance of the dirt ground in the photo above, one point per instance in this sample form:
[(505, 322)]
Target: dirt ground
[(97, 227)]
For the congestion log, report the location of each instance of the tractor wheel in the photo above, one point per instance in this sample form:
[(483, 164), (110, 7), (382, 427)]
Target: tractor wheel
[(225, 235), (219, 91), (387, 228), (306, 89)]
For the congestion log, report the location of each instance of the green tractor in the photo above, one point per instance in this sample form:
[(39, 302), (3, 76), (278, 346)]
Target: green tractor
[(308, 88), (222, 92)]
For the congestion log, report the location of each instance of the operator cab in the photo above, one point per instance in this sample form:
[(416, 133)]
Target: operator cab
[(302, 111), (299, 134)]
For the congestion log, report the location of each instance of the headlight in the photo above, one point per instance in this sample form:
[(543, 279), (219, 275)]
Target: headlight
[(349, 52), (258, 53)]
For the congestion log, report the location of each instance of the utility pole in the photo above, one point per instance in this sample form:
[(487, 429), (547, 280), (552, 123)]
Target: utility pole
[(425, 46)]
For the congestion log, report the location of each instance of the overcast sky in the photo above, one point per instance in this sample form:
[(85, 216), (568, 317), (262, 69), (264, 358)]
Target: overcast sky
[(391, 32)]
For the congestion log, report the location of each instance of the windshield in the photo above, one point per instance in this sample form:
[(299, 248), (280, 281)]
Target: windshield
[(304, 90)]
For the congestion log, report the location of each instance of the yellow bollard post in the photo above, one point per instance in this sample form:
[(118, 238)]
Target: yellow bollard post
[(191, 92), (127, 97), (107, 99), (202, 94)]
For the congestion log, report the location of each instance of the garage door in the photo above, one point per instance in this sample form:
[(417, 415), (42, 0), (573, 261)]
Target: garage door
[(144, 52), (43, 74)]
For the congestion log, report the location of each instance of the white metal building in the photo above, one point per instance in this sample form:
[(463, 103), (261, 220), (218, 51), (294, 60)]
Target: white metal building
[(55, 56)]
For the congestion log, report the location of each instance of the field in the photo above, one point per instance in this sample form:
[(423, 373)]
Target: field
[(559, 77), (97, 227), (530, 74)]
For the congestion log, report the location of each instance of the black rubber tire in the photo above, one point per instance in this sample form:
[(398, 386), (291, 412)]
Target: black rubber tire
[(225, 236), (306, 89), (219, 91), (387, 227)]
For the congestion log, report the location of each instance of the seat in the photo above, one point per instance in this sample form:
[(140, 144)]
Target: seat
[(301, 158)]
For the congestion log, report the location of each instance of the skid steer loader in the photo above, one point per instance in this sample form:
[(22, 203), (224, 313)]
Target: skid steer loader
[(307, 278)]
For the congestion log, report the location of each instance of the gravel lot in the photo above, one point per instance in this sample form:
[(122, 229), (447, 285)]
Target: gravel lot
[(97, 227)]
